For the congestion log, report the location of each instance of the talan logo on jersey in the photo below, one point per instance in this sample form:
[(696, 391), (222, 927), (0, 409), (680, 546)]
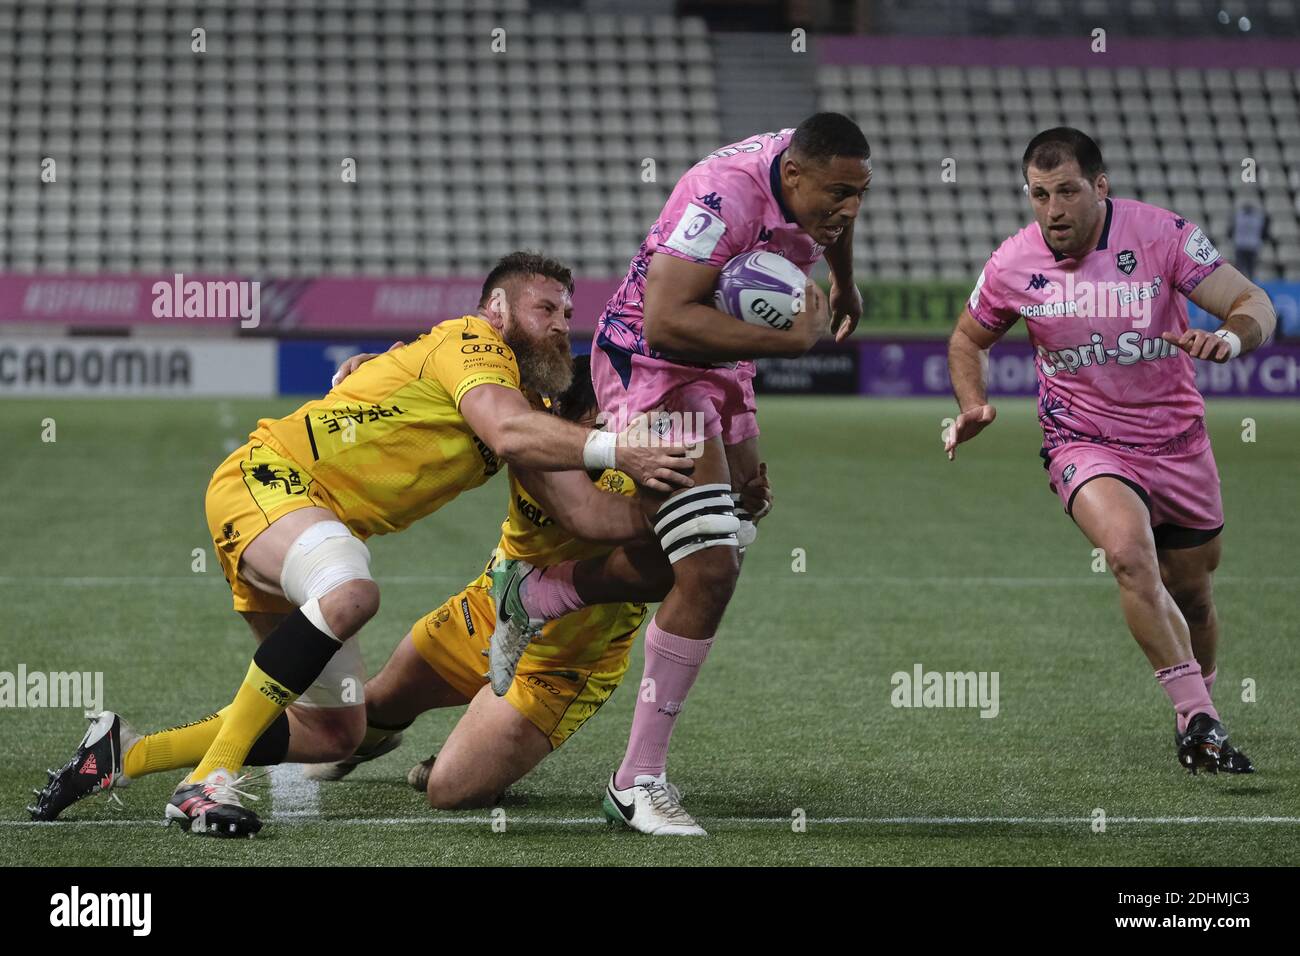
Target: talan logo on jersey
[(1130, 348), (1199, 249), (1086, 299), (697, 234), (1037, 281), (1126, 261)]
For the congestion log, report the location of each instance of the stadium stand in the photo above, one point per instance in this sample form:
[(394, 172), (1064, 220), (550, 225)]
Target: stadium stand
[(1079, 17), (231, 159), (1175, 138)]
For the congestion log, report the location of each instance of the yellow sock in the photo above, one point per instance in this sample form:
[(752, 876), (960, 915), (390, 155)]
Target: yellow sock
[(258, 703), (172, 749)]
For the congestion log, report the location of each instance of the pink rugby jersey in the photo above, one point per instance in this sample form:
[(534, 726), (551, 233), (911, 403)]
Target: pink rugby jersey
[(726, 204), (1104, 373)]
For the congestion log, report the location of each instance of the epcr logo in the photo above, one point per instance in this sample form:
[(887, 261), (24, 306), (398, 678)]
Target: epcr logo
[(698, 225)]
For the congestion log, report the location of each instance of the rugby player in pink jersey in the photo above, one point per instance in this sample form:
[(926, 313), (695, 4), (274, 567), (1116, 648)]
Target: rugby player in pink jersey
[(662, 346), (1099, 282)]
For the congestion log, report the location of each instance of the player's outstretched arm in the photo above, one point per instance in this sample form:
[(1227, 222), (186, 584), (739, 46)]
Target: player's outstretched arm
[(680, 322), (500, 416), (584, 511), (968, 367), (1244, 309)]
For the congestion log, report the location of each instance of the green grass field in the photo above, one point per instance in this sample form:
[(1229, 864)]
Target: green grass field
[(965, 566)]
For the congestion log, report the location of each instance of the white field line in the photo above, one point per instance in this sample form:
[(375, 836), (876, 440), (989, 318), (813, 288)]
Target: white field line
[(867, 579), (432, 819), (292, 794)]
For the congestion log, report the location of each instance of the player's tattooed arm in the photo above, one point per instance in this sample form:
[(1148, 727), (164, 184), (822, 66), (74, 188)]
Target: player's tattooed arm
[(502, 419), (1244, 309), (845, 297), (679, 320), (968, 367), (583, 510)]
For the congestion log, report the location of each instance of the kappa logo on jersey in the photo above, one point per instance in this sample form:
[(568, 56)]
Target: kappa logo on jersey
[(697, 234), (1199, 249), (711, 201), (1126, 261), (1180, 222), (1037, 281)]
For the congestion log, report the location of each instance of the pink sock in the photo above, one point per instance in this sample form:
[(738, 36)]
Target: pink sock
[(1209, 680), (1186, 688), (671, 666), (549, 593)]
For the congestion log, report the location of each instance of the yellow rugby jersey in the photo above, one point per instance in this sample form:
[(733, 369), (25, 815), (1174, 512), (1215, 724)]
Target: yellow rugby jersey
[(388, 445), (530, 534)]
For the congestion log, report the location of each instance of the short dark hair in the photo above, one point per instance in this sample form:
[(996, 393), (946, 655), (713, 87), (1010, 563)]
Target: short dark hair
[(1058, 145), (521, 265), (823, 136), (579, 399)]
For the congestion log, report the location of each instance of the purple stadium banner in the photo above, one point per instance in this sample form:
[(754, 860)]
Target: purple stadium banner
[(325, 305), (1058, 51), (920, 368)]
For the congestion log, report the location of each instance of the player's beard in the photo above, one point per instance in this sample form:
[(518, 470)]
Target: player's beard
[(545, 364)]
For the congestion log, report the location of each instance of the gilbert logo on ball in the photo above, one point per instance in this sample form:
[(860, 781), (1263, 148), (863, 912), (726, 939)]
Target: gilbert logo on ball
[(762, 288)]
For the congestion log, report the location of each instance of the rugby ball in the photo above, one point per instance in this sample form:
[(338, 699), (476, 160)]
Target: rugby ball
[(762, 288)]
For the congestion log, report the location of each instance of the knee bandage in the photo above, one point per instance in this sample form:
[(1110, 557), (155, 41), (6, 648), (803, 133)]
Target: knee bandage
[(323, 557), (697, 518)]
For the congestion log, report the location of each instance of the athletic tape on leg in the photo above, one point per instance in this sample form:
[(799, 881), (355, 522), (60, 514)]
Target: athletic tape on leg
[(320, 559), (343, 681), (697, 518)]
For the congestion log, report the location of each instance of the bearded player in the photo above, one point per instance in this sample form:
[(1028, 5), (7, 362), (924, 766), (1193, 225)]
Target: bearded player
[(1099, 282), (565, 675), (661, 344), (562, 681), (288, 512)]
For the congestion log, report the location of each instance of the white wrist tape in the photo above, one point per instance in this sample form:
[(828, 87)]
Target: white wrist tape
[(1233, 340), (598, 453)]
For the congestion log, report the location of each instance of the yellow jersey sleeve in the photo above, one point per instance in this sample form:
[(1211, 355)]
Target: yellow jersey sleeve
[(475, 355)]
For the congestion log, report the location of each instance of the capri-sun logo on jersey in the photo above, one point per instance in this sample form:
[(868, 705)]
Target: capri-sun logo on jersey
[(1130, 348)]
